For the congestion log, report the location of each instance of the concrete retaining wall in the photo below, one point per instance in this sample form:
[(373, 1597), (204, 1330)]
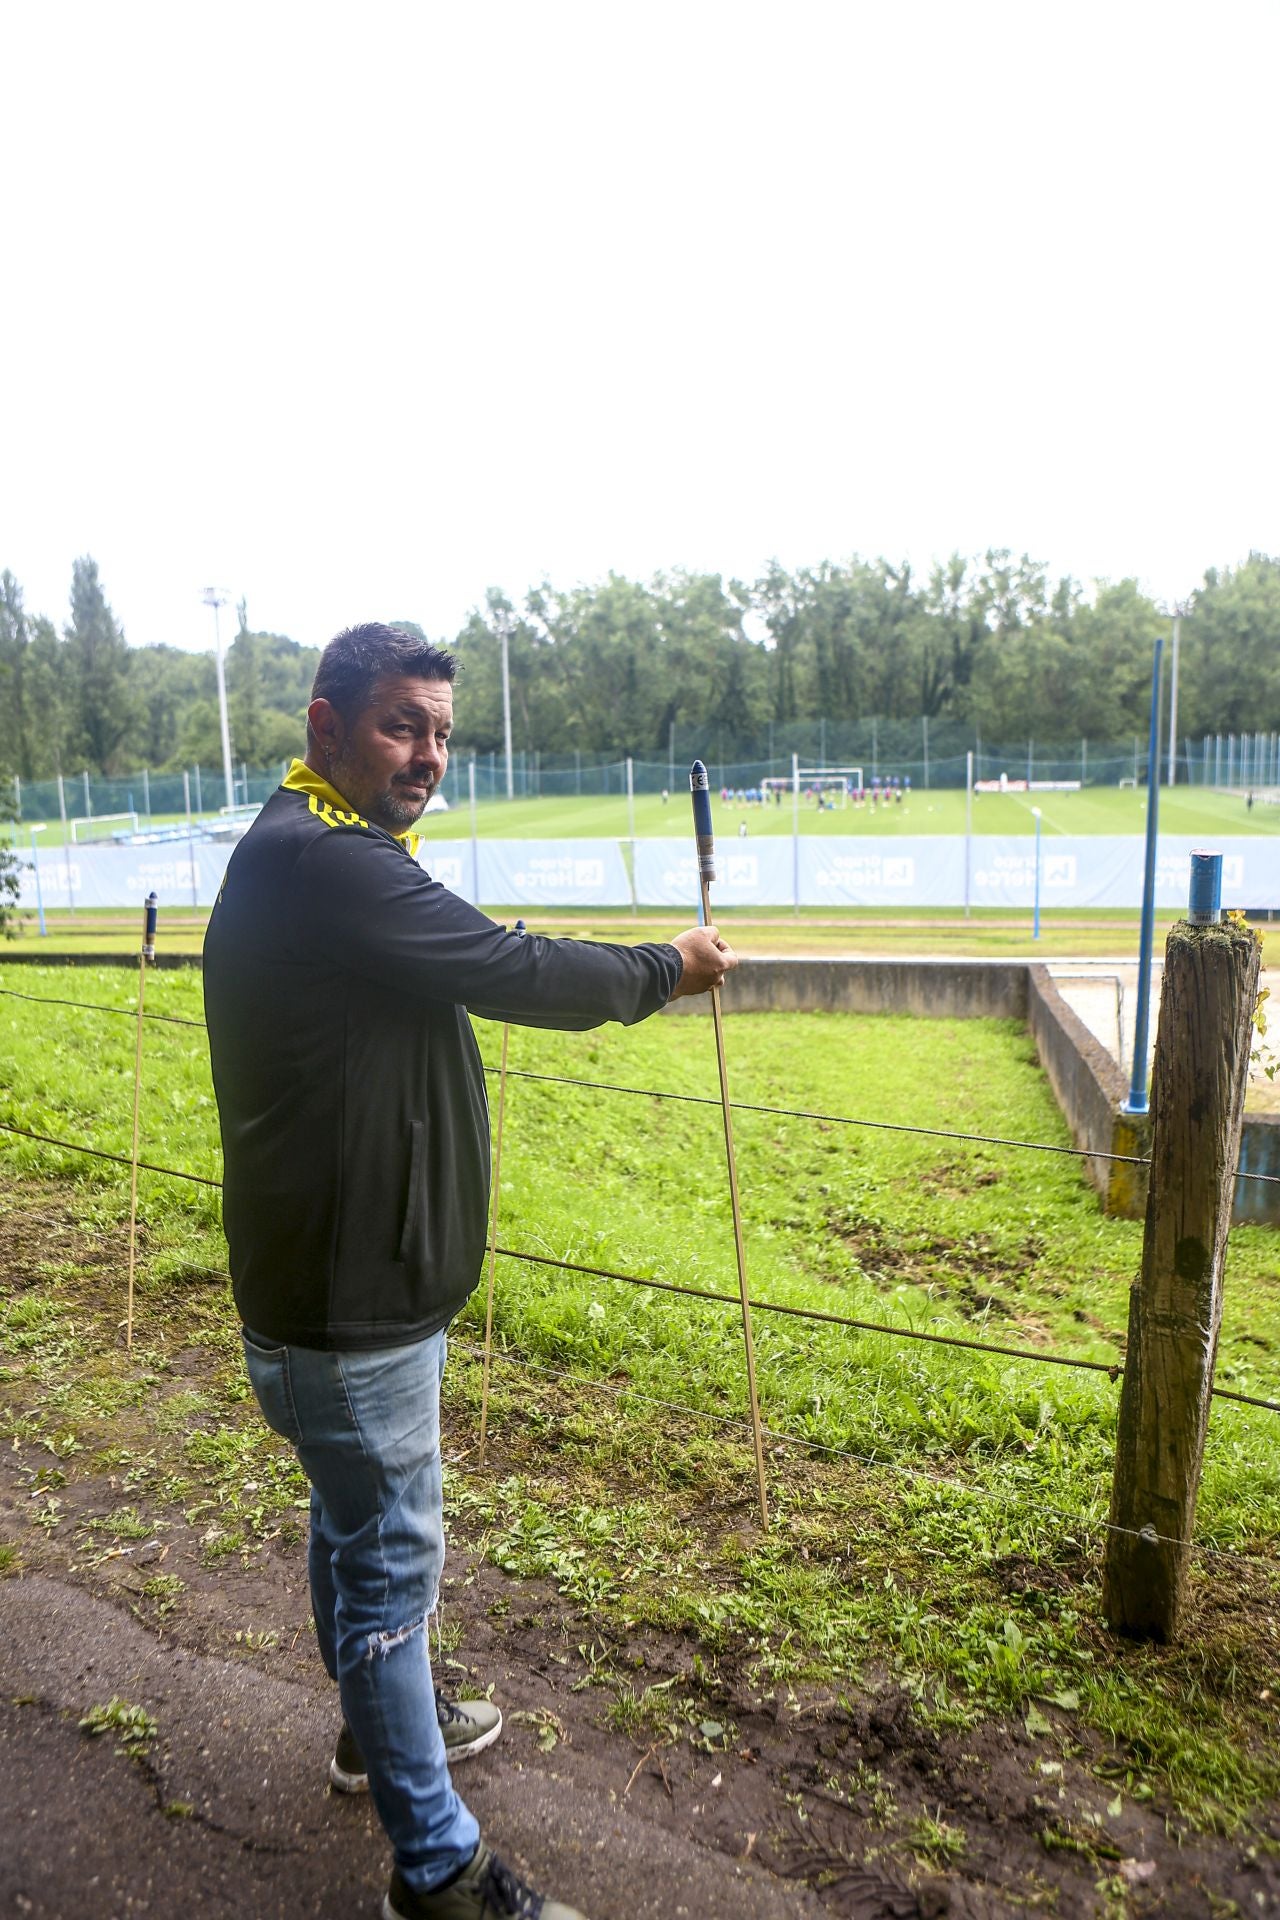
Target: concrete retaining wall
[(942, 989), (1088, 1085), (1256, 1202), (1090, 1089)]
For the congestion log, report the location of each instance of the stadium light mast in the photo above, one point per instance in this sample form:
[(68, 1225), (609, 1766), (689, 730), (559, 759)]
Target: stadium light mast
[(506, 713), (215, 598), (1173, 701)]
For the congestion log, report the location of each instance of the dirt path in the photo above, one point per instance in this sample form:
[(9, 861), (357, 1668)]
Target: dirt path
[(226, 1809)]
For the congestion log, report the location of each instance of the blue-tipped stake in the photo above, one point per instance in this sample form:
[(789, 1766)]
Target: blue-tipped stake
[(701, 792), (702, 832)]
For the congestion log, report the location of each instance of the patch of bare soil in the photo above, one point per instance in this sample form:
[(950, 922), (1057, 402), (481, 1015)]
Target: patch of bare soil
[(976, 1275), (841, 1791)]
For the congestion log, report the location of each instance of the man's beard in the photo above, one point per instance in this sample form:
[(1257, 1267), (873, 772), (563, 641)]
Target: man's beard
[(394, 804), (392, 808)]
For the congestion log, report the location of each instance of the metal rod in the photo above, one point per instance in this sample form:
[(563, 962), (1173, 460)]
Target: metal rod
[(475, 842), (631, 830), (795, 833), (968, 827), (148, 952), (493, 1239), (506, 714)]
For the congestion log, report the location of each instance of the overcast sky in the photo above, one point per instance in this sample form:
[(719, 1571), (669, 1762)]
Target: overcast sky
[(357, 311)]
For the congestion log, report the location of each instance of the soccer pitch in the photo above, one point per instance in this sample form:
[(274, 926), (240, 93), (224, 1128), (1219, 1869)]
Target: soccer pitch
[(1184, 810)]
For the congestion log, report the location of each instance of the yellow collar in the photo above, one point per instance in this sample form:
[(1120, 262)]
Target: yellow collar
[(332, 806)]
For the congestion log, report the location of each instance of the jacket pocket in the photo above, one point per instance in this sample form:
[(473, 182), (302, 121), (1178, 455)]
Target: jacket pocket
[(414, 1202)]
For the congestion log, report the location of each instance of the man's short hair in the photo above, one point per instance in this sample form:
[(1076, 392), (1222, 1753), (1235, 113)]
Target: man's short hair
[(355, 660)]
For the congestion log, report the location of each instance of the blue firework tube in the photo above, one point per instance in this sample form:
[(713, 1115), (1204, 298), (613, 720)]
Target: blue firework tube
[(149, 929), (702, 821), (1205, 908)]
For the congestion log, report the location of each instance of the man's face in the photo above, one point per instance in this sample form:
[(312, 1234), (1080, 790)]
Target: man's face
[(389, 761)]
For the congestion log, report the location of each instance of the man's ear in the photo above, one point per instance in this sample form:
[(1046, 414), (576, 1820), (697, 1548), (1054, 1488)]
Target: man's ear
[(326, 726)]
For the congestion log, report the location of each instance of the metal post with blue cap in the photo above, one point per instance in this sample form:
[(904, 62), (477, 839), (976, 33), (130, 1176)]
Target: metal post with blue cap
[(148, 952), (706, 845), (520, 930)]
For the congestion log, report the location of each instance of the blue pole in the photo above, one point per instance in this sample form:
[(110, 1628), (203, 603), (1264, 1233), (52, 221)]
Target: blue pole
[(35, 861), (1137, 1101), (1035, 924)]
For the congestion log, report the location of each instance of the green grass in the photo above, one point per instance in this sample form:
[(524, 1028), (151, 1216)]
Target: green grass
[(1093, 810), (960, 1550), (991, 933)]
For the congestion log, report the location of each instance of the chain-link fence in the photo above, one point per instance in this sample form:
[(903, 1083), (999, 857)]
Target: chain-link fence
[(918, 753)]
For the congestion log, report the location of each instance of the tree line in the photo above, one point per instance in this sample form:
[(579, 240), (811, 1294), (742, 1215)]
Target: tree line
[(991, 648)]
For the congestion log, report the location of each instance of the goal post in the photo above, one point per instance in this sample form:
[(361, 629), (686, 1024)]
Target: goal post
[(102, 826), (844, 782)]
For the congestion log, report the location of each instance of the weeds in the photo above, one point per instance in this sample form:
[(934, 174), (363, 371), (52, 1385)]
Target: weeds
[(132, 1726), (959, 1553)]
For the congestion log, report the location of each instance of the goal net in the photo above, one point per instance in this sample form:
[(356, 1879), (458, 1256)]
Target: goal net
[(103, 826), (837, 785)]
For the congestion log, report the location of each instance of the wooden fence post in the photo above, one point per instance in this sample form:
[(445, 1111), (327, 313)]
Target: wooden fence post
[(1197, 1108)]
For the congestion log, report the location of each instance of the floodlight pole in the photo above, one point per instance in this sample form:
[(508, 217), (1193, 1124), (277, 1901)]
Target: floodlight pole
[(1173, 703), (506, 713), (212, 597)]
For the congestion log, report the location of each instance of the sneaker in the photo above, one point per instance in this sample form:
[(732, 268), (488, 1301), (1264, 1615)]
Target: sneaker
[(486, 1889), (467, 1726)]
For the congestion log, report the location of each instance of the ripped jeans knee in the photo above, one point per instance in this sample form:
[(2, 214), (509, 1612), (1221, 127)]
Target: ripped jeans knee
[(381, 1644)]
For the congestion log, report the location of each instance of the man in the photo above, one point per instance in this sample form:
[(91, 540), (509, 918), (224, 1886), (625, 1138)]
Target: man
[(356, 1159)]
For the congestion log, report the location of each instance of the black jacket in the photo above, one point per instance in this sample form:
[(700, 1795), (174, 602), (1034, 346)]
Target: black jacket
[(355, 1130)]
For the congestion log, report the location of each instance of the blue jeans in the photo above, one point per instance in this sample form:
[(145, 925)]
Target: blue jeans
[(366, 1427)]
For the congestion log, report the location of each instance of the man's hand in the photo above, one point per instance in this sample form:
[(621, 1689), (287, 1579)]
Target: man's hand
[(707, 958)]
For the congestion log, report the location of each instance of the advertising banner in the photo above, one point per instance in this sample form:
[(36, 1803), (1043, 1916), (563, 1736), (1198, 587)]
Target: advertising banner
[(881, 872), (453, 864), (553, 873), (841, 871), (749, 873), (182, 873), (1106, 870)]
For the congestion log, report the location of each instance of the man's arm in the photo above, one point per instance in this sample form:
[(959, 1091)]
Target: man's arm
[(362, 902)]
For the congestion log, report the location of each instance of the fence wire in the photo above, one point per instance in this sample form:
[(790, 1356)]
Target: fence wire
[(965, 1487), (813, 1314), (708, 1100)]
